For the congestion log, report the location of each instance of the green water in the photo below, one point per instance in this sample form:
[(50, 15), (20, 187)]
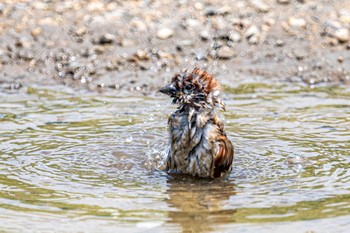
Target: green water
[(82, 162)]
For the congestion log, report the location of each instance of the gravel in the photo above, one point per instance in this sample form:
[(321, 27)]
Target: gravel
[(85, 44)]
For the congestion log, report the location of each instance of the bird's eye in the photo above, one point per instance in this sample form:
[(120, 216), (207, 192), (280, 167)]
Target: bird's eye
[(189, 87)]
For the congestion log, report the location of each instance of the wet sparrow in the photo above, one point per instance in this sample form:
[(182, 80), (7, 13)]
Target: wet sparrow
[(198, 143)]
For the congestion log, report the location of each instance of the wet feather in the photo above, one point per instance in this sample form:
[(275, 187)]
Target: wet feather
[(198, 143)]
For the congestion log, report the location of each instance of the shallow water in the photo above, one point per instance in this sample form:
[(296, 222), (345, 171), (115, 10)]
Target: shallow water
[(83, 162)]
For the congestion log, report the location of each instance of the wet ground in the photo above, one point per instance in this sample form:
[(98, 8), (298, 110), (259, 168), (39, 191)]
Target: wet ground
[(135, 45), (83, 127)]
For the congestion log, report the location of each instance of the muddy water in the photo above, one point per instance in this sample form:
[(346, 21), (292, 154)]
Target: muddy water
[(83, 162)]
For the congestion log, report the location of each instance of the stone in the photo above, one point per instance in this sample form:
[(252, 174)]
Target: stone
[(283, 1), (279, 43), (252, 30), (342, 34), (225, 52), (300, 53), (205, 35), (200, 54), (340, 59), (23, 42), (95, 6), (81, 31), (127, 42), (99, 49), (193, 23), (165, 33), (297, 22), (224, 10), (2, 8), (142, 55), (344, 16), (260, 5), (106, 39), (38, 5), (254, 39), (234, 36), (210, 11), (139, 24), (253, 34), (36, 32), (332, 41)]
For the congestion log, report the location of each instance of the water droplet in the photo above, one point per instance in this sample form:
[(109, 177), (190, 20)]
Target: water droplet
[(151, 117), (129, 139)]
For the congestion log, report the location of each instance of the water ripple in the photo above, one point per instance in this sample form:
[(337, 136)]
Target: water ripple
[(94, 158)]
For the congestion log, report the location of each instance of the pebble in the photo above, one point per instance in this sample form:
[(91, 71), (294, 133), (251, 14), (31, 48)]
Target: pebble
[(127, 42), (331, 41), (279, 43), (300, 53), (106, 39), (2, 8), (193, 23), (225, 52), (201, 54), (210, 11), (205, 35), (235, 36), (144, 66), (260, 5), (340, 59), (283, 1), (342, 34), (297, 22), (251, 31), (99, 49), (139, 25), (165, 33), (81, 31), (253, 34), (219, 23), (344, 16), (95, 6), (26, 55), (164, 55), (142, 55), (224, 10), (36, 32), (23, 42), (40, 5), (254, 39)]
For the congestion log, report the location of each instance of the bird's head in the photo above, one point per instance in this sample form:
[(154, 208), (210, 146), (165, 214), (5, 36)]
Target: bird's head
[(196, 89)]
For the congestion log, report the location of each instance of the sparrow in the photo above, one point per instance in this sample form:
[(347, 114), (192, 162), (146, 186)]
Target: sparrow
[(198, 145)]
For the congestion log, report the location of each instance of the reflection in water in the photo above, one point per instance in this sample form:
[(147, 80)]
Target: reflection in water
[(199, 204)]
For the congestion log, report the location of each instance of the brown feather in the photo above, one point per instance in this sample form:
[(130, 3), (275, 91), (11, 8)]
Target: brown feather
[(223, 157), (198, 143)]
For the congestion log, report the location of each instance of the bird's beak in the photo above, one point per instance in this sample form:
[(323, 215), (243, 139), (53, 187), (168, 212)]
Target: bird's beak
[(168, 90)]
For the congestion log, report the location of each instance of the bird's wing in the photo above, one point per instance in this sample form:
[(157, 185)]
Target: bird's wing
[(223, 156), (222, 151)]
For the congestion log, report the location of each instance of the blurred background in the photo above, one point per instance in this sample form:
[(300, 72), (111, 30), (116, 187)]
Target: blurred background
[(133, 44)]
